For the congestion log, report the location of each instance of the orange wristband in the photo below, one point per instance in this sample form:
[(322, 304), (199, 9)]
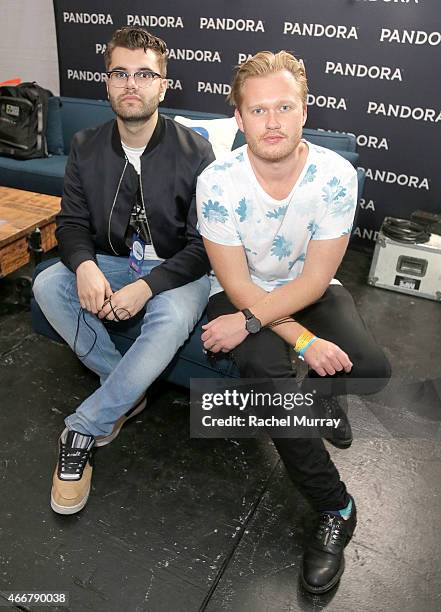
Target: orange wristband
[(304, 339)]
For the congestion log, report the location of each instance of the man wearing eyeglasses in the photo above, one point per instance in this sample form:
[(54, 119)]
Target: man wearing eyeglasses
[(127, 239)]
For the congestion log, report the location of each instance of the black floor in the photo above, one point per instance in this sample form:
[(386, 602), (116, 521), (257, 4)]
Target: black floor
[(178, 524)]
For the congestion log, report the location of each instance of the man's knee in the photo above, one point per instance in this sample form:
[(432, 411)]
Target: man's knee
[(375, 365), (46, 283), (49, 283), (374, 371), (380, 370)]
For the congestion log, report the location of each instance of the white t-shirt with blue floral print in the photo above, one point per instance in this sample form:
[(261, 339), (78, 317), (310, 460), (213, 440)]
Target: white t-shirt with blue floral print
[(234, 210)]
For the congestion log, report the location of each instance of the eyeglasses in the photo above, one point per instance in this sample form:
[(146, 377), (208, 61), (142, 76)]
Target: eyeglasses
[(143, 78)]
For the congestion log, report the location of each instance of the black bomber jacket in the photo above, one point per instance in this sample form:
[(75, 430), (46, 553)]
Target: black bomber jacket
[(100, 187)]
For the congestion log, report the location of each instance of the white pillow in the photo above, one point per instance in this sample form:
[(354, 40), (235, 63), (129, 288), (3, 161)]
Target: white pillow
[(220, 132)]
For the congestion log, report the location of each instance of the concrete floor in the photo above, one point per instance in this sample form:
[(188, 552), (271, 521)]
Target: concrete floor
[(178, 524)]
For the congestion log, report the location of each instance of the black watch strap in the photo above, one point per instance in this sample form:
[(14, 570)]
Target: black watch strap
[(252, 323)]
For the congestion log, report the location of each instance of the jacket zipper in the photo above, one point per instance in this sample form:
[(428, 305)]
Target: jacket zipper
[(145, 209), (113, 206)]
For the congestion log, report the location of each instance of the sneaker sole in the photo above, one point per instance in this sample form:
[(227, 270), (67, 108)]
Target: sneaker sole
[(104, 440), (68, 509)]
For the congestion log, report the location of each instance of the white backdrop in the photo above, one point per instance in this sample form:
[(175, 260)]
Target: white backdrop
[(28, 44)]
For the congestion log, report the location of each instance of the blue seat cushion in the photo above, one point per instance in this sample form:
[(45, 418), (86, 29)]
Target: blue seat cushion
[(351, 156), (54, 131), (331, 140), (43, 175), (78, 114)]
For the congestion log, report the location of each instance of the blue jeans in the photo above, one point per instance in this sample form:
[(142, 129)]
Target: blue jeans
[(168, 321)]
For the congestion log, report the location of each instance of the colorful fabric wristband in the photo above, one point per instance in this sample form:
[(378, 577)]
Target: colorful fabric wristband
[(302, 351), (303, 340)]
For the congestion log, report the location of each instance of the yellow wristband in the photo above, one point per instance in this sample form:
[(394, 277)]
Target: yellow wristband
[(303, 340)]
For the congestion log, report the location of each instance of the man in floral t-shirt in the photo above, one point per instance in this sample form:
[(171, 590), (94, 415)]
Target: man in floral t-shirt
[(276, 217)]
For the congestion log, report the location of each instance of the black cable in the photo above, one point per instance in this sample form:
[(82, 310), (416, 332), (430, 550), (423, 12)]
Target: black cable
[(116, 311), (402, 230), (82, 312)]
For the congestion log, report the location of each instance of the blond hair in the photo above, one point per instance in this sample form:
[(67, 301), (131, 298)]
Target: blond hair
[(263, 63)]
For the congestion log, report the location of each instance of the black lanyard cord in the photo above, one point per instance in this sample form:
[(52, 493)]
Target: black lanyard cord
[(117, 312), (82, 312), (122, 316)]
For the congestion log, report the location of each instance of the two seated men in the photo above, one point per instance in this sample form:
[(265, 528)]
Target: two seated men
[(275, 217)]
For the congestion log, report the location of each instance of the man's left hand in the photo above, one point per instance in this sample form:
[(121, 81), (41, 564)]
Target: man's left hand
[(126, 302), (224, 333)]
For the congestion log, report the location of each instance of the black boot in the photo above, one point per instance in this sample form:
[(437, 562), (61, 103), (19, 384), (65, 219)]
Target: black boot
[(323, 561), (341, 437)]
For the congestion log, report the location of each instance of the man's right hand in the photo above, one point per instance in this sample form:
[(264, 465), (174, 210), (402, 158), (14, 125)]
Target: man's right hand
[(326, 358), (93, 287)]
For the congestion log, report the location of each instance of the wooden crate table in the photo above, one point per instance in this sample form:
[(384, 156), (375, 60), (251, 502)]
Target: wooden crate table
[(27, 225)]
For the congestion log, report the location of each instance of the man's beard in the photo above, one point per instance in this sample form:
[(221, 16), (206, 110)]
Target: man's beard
[(267, 153), (140, 114)]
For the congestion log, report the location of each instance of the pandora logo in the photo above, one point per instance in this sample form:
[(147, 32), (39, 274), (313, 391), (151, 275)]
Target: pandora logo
[(326, 102), (401, 111), (214, 88), (318, 30), (410, 37), (93, 18), (240, 25), (86, 75), (155, 21), (390, 177), (197, 55), (362, 71)]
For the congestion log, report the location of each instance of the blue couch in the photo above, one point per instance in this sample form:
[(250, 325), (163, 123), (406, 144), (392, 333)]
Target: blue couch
[(67, 116)]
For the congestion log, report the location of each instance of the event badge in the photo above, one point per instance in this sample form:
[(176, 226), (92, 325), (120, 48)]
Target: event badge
[(136, 256)]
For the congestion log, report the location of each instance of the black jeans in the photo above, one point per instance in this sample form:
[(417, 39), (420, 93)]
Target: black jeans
[(333, 317)]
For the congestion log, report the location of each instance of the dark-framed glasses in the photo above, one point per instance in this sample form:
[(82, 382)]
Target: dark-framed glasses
[(143, 78)]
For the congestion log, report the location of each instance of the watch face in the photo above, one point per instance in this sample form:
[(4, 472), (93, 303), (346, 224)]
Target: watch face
[(253, 325)]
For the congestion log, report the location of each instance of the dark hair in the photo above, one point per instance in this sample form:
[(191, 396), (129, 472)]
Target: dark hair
[(137, 38)]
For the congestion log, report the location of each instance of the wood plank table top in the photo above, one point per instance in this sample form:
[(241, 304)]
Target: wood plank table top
[(21, 212)]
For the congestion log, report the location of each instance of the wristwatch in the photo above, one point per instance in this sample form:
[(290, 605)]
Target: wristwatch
[(252, 323)]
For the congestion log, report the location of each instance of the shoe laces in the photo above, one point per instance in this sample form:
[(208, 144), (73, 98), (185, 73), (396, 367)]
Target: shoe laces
[(72, 460), (330, 529)]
